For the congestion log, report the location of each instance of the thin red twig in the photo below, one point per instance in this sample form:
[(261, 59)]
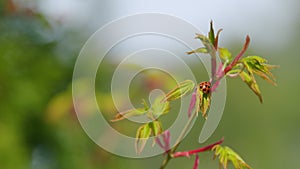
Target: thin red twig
[(237, 58), (199, 150)]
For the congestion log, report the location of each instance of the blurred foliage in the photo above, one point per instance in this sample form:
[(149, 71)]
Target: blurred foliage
[(31, 74), (39, 129)]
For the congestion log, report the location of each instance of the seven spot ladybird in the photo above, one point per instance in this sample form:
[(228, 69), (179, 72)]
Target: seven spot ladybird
[(205, 87)]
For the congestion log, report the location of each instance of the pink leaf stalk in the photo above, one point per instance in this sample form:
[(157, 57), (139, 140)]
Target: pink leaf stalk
[(166, 140), (213, 59), (217, 39), (219, 75), (220, 72), (213, 68), (238, 57), (192, 103), (215, 86), (157, 140), (199, 150), (166, 137)]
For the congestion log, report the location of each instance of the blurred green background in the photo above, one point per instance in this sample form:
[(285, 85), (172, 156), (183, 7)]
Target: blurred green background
[(39, 128)]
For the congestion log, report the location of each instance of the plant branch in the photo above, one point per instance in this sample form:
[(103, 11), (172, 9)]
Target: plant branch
[(166, 161), (199, 150), (237, 58), (178, 141)]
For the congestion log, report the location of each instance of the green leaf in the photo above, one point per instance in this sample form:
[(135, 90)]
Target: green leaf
[(156, 127), (216, 42), (249, 79), (202, 102), (142, 135), (159, 107), (236, 70), (180, 90), (226, 154), (198, 99), (144, 103), (225, 54), (130, 113), (199, 50), (211, 34), (207, 43), (205, 103), (257, 65)]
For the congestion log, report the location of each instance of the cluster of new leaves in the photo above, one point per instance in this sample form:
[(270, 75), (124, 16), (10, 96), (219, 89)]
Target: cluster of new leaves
[(230, 66), (180, 90), (153, 128), (245, 68), (160, 107), (226, 154), (200, 100), (255, 65)]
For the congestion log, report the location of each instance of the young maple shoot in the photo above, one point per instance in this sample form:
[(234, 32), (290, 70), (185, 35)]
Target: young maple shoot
[(232, 67)]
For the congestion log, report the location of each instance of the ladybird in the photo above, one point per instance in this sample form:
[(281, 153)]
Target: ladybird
[(205, 87)]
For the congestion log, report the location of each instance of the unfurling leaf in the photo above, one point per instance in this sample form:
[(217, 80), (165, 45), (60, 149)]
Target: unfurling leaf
[(159, 108), (204, 94), (199, 50), (257, 65), (156, 127), (129, 113), (209, 46), (180, 90), (200, 102), (217, 39), (225, 54), (198, 99), (142, 135), (132, 112), (211, 33), (236, 70), (205, 99), (214, 39), (226, 154), (250, 81)]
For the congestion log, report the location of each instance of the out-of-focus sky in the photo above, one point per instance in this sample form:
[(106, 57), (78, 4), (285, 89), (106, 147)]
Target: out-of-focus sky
[(269, 22)]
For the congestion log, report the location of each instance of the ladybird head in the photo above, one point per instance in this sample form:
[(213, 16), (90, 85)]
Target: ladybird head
[(205, 87)]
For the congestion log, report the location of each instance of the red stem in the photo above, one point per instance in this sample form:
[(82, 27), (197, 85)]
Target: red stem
[(191, 152), (237, 58), (217, 39), (213, 59)]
